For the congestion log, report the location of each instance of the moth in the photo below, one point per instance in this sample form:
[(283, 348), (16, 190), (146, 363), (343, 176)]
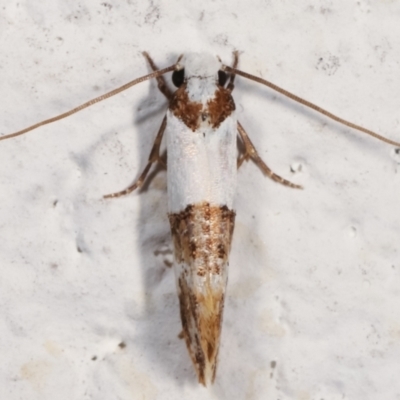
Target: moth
[(201, 131)]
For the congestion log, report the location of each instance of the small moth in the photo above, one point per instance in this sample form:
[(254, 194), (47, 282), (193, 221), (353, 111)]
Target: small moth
[(201, 130)]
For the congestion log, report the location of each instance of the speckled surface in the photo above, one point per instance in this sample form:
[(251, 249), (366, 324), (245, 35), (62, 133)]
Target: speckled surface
[(88, 303)]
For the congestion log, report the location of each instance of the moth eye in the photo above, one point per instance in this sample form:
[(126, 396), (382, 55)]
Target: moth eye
[(178, 77), (222, 78)]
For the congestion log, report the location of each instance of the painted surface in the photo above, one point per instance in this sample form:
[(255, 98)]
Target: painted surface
[(88, 301)]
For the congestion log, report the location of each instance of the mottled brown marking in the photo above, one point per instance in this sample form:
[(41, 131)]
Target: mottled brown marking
[(202, 232), (202, 237), (193, 248), (220, 107), (184, 109), (221, 251), (188, 311), (192, 113)]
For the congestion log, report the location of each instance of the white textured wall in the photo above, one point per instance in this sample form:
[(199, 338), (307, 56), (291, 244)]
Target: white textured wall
[(312, 310)]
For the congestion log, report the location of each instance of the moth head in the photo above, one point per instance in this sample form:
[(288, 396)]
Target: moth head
[(199, 66)]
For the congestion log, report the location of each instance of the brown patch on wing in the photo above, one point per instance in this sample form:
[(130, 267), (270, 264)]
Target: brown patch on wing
[(202, 236), (220, 107), (192, 113), (184, 109), (203, 233)]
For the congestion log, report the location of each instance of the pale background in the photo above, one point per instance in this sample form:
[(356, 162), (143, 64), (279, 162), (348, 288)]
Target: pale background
[(88, 303)]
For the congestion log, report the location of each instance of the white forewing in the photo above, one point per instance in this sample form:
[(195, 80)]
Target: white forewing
[(202, 165)]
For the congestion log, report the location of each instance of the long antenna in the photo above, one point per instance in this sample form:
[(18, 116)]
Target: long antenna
[(89, 103), (309, 104)]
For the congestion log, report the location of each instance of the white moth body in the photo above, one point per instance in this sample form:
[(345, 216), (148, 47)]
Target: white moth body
[(202, 165), (201, 132), (201, 136)]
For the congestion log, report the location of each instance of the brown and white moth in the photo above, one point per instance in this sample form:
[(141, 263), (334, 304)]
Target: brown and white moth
[(201, 131)]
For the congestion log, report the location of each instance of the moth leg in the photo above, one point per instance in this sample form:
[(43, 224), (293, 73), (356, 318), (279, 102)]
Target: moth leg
[(231, 84), (251, 152), (162, 85), (153, 157)]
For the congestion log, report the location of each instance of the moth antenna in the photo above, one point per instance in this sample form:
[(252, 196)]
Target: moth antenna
[(231, 83), (309, 104), (162, 85), (89, 103)]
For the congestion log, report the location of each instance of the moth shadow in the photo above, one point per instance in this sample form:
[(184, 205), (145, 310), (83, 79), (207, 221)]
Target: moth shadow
[(156, 334)]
